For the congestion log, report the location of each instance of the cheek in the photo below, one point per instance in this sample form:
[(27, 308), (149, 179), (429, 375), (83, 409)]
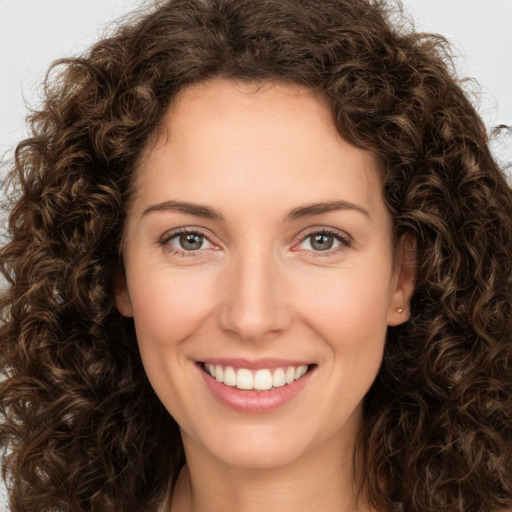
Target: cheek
[(348, 310), (168, 310), (347, 313), (169, 307), (348, 295)]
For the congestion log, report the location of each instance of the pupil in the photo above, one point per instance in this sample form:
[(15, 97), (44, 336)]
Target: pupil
[(322, 242), (191, 241)]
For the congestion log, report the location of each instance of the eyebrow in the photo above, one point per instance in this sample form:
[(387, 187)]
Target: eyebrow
[(184, 207), (300, 212), (319, 208)]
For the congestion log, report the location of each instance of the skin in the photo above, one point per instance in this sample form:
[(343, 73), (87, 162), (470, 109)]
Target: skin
[(257, 288)]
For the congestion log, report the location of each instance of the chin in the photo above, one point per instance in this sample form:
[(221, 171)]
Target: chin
[(259, 455), (263, 446)]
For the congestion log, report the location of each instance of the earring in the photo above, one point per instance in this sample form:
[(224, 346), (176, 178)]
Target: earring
[(400, 310)]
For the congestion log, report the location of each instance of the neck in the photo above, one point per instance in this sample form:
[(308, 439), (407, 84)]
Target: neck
[(318, 481)]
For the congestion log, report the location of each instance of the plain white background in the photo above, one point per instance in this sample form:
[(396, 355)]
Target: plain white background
[(33, 33)]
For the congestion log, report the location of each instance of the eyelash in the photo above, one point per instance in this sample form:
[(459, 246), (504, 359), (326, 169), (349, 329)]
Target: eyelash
[(165, 242), (344, 240)]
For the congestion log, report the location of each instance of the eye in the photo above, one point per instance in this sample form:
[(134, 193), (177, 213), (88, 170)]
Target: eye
[(320, 242), (188, 241), (324, 241)]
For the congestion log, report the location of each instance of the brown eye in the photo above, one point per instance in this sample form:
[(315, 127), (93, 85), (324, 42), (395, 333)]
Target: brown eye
[(191, 241)]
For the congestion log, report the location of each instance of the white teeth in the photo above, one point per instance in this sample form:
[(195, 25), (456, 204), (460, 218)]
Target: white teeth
[(229, 376), (300, 371), (278, 378), (244, 379), (260, 380)]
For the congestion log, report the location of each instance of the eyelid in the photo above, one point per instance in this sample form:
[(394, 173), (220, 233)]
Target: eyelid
[(343, 237), (168, 235)]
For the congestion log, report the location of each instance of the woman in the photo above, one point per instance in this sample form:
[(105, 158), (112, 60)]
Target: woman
[(259, 259)]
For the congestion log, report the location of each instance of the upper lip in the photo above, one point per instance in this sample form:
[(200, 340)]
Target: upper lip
[(255, 364)]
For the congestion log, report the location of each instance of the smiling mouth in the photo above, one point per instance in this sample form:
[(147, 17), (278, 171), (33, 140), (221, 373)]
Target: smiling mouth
[(263, 379)]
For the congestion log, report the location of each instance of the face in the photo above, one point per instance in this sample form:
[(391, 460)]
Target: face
[(258, 247)]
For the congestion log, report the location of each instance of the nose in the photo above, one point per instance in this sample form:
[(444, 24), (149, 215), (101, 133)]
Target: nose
[(254, 305)]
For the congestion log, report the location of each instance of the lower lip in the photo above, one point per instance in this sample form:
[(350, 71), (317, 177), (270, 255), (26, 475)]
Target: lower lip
[(254, 402)]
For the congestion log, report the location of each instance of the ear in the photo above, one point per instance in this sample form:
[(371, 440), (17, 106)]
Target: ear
[(121, 293), (404, 276)]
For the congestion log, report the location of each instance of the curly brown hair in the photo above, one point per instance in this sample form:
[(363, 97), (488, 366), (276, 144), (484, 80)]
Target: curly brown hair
[(81, 427)]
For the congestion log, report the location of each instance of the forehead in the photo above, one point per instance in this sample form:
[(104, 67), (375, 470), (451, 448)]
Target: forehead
[(241, 134), (260, 104)]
